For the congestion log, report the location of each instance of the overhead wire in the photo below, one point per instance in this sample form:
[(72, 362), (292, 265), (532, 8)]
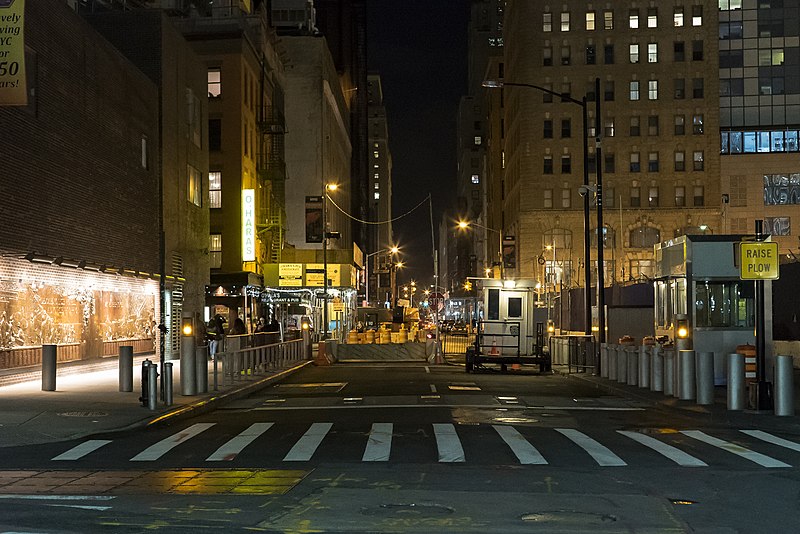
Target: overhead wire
[(409, 212)]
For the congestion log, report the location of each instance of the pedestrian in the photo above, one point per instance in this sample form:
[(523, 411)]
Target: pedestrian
[(216, 331), (238, 327), (261, 325), (273, 325)]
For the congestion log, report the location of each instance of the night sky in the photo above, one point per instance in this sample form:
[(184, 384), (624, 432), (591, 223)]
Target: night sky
[(419, 48)]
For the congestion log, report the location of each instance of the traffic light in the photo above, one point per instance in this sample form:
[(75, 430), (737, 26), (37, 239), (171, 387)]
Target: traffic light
[(468, 285)]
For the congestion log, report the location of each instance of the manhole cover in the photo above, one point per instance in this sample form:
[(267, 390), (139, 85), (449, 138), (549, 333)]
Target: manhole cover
[(407, 510), (568, 517), (83, 414)]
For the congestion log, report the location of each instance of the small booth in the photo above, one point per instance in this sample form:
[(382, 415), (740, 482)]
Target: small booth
[(700, 301)]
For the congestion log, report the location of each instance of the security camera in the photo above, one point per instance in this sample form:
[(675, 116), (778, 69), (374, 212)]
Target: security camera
[(586, 189)]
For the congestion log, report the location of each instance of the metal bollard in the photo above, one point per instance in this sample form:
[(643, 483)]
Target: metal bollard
[(126, 368), (676, 372), (145, 382), (669, 372), (632, 356), (622, 365), (612, 362), (49, 353), (644, 366), (657, 368), (784, 385), (604, 360), (686, 390), (152, 386), (188, 372), (704, 374), (201, 369), (167, 382), (736, 391)]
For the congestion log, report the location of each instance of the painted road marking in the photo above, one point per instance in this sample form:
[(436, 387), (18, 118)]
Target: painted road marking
[(379, 444), (487, 406), (775, 440), (232, 448), (156, 451), (760, 459), (79, 451), (307, 445), (450, 449), (673, 453), (601, 454), (433, 388), (524, 451)]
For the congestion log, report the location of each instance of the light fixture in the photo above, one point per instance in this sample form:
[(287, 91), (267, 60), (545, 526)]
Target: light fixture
[(187, 326), (331, 187), (509, 284), (38, 258)]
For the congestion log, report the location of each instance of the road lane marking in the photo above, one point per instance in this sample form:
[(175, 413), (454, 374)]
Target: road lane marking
[(433, 388), (775, 440), (487, 406), (673, 453), (601, 454), (307, 445), (761, 459), (156, 451), (522, 449), (79, 451), (450, 449), (379, 444), (233, 447)]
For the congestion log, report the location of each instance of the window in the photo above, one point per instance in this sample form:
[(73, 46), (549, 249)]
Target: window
[(680, 125), (697, 124), (724, 304), (194, 115), (476, 179), (680, 161), (636, 197), (566, 90), (652, 162), (635, 128), (566, 128), (680, 195), (566, 164), (609, 127), (697, 50), (376, 154), (697, 15), (633, 18), (194, 187), (652, 17), (377, 185), (565, 55), (608, 20), (677, 16), (608, 54), (214, 134), (215, 250), (652, 197), (478, 140), (547, 132), (548, 165), (590, 15), (731, 59), (565, 21), (698, 88), (635, 165), (145, 156), (547, 22), (698, 159), (547, 198), (699, 195), (610, 163), (608, 199), (652, 53), (642, 269), (376, 195), (652, 125), (633, 53), (652, 90), (679, 51), (591, 54), (680, 88), (214, 83), (547, 97), (644, 237), (634, 90), (566, 198), (514, 307), (215, 189), (547, 56), (608, 91)]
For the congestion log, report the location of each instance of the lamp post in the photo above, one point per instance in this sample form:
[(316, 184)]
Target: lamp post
[(393, 250), (325, 235), (464, 225), (585, 194), (393, 281)]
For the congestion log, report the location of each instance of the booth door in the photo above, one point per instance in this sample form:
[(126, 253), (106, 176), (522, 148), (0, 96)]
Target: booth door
[(513, 311)]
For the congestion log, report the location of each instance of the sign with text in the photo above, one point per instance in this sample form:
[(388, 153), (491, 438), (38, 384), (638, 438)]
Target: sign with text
[(248, 225), (314, 216), (315, 274), (290, 275), (758, 261), (13, 84)]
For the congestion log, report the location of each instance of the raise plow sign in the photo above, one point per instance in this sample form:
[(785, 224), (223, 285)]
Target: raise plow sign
[(758, 261)]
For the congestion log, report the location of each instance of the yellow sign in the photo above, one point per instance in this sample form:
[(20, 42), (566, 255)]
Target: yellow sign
[(248, 225), (290, 275), (315, 276), (758, 261), (13, 86)]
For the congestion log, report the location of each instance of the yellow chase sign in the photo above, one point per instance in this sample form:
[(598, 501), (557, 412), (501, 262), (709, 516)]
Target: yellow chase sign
[(758, 261)]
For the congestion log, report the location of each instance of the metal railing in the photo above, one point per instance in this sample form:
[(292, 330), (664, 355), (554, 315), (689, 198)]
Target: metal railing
[(575, 351), (456, 343), (513, 334), (243, 363)]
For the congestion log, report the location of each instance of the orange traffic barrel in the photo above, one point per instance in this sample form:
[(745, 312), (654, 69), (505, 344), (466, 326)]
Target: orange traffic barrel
[(749, 353)]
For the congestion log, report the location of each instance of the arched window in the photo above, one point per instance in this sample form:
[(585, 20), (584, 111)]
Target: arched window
[(608, 237), (560, 238), (644, 237)]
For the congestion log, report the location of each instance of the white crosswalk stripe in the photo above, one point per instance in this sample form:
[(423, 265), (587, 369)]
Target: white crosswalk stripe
[(601, 454), (524, 451), (154, 452), (81, 450), (775, 440), (379, 444), (307, 445), (232, 448), (760, 459), (673, 453), (450, 449)]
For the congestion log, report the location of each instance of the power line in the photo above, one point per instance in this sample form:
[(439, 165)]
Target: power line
[(409, 212)]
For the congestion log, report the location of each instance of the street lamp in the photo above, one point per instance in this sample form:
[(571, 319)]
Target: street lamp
[(585, 194), (393, 276), (325, 235), (464, 225), (393, 250)]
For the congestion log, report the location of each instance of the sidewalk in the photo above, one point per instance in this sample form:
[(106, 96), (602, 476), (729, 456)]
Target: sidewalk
[(87, 400)]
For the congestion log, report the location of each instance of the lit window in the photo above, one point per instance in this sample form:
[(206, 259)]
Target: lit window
[(636, 197), (680, 125), (635, 164), (633, 53), (652, 162), (215, 189), (376, 154), (377, 195), (476, 179), (652, 17), (375, 145), (697, 15), (680, 196), (697, 124), (547, 22), (215, 250), (375, 166), (652, 90), (547, 196), (608, 20), (698, 160), (377, 185), (652, 197), (677, 17), (609, 127), (376, 176), (680, 162), (633, 18), (214, 83), (590, 20), (566, 198), (699, 195), (194, 187), (652, 53), (565, 21), (634, 90), (478, 140)]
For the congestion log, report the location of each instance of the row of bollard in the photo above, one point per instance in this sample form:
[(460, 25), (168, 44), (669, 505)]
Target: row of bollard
[(689, 375)]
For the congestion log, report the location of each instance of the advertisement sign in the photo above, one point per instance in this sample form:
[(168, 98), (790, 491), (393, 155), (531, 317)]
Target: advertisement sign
[(314, 219), (13, 84), (315, 274), (248, 225), (290, 275)]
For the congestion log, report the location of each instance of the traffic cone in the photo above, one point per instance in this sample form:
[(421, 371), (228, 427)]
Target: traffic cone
[(493, 351)]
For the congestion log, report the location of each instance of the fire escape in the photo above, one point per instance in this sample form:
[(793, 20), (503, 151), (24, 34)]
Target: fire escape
[(272, 173)]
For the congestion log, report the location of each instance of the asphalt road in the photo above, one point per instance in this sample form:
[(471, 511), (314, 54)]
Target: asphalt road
[(415, 448)]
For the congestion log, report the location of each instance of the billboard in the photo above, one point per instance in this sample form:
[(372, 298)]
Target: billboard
[(248, 225), (314, 218)]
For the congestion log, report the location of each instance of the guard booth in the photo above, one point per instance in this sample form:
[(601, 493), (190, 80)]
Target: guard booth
[(701, 303)]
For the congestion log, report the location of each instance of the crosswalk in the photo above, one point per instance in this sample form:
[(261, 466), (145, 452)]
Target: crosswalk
[(383, 442)]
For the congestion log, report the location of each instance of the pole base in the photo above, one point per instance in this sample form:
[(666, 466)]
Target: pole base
[(759, 396)]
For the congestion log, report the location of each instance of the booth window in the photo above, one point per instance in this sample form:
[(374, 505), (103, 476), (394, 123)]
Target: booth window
[(514, 307), (727, 304), (493, 312)]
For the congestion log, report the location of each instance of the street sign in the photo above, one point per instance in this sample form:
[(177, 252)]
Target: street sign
[(758, 260)]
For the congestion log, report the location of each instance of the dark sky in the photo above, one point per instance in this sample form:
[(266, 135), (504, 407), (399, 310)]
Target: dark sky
[(419, 48)]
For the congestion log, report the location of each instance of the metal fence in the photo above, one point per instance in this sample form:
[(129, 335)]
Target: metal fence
[(456, 343), (247, 362), (575, 351)]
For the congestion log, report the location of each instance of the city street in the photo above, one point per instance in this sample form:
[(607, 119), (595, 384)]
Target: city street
[(417, 448)]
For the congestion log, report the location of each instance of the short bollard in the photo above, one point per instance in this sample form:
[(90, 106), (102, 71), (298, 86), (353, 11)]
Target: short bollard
[(644, 366), (657, 368), (167, 381), (188, 366), (126, 368), (736, 391), (612, 362), (603, 360), (49, 353), (632, 355), (622, 365), (704, 371), (152, 386), (687, 378), (784, 386), (669, 372), (676, 372), (201, 369)]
